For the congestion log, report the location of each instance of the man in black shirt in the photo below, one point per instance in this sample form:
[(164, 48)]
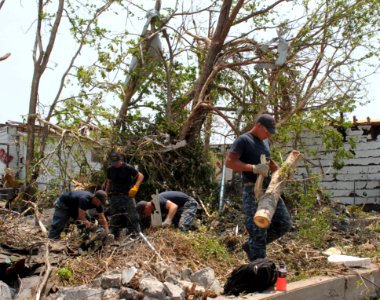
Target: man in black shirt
[(176, 207), (244, 156), (120, 178), (74, 205)]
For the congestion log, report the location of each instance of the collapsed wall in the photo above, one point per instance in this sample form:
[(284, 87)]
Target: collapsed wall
[(358, 181)]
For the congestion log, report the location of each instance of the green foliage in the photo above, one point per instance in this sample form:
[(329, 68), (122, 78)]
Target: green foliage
[(187, 169), (47, 197), (312, 221), (208, 247), (328, 43), (66, 274), (333, 141), (313, 227), (374, 227)]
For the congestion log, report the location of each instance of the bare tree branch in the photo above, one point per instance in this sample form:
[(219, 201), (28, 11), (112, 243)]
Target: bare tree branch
[(5, 56)]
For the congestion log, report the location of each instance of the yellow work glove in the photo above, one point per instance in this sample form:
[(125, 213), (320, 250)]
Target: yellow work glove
[(133, 191)]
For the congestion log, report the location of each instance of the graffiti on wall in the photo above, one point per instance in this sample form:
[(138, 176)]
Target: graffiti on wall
[(4, 157)]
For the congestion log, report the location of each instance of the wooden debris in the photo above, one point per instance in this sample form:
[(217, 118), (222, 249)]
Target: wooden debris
[(268, 202), (47, 273)]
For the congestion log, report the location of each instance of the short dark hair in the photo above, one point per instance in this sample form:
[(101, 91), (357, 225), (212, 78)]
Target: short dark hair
[(140, 207), (101, 195)]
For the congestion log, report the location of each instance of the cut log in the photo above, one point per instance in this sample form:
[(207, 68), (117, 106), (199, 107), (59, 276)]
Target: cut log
[(267, 203)]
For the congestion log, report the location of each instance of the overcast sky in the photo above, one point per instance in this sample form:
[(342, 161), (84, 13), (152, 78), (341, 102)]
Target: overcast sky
[(17, 37)]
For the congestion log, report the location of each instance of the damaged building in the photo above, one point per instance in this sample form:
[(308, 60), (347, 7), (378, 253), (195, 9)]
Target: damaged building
[(66, 158)]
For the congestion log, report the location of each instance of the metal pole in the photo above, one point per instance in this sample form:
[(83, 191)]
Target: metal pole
[(221, 194), (138, 229), (150, 245)]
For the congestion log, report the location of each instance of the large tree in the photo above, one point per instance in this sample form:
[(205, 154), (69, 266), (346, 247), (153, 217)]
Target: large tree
[(83, 30), (227, 58)]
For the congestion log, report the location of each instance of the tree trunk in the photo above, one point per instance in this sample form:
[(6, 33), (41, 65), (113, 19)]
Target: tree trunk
[(268, 202), (41, 58), (199, 112)]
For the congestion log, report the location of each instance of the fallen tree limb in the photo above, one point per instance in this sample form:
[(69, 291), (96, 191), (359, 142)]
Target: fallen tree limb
[(202, 204), (5, 56), (46, 275), (268, 202), (37, 217)]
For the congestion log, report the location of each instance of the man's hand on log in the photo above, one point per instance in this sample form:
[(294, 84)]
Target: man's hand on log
[(273, 166)]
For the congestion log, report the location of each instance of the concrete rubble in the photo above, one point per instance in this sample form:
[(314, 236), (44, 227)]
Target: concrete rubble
[(117, 285)]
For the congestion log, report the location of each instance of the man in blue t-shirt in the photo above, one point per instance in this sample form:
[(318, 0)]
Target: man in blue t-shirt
[(123, 182), (176, 208), (244, 156), (74, 205)]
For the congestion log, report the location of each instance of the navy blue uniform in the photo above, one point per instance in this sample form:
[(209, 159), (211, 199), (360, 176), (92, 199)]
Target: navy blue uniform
[(187, 208), (66, 207), (250, 149), (122, 207)]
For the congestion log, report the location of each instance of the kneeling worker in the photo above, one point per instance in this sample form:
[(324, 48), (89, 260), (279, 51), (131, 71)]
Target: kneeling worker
[(176, 207), (74, 205)]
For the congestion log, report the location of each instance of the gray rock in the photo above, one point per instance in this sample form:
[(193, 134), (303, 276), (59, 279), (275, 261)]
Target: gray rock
[(204, 277), (152, 287), (5, 291), (174, 292), (111, 294), (97, 283), (167, 270), (81, 292), (111, 280), (130, 294), (216, 287), (127, 275), (28, 288), (186, 274)]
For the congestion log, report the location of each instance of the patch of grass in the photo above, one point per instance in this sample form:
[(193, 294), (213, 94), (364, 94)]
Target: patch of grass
[(313, 228), (356, 211), (66, 274), (299, 277), (209, 247), (312, 220), (374, 227)]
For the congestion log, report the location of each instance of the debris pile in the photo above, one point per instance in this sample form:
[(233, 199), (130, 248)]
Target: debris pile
[(192, 265)]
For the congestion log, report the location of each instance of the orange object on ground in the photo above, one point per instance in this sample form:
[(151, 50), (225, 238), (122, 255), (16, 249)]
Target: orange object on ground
[(281, 279)]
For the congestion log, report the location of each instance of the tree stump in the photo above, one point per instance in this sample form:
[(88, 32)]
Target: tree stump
[(267, 203)]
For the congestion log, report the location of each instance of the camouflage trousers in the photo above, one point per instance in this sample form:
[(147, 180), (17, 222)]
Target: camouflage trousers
[(258, 237), (185, 215), (123, 214)]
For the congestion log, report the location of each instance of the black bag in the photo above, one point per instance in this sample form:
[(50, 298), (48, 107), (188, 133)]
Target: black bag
[(256, 276)]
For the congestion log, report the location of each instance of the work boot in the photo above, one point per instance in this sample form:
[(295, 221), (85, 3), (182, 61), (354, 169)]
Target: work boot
[(133, 237)]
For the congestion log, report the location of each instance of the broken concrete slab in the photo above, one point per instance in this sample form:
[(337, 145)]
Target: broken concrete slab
[(349, 261)]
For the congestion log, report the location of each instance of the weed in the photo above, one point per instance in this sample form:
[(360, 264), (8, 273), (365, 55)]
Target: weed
[(312, 221), (65, 274), (209, 247)]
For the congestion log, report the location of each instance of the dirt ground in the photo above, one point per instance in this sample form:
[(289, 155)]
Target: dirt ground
[(216, 243)]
